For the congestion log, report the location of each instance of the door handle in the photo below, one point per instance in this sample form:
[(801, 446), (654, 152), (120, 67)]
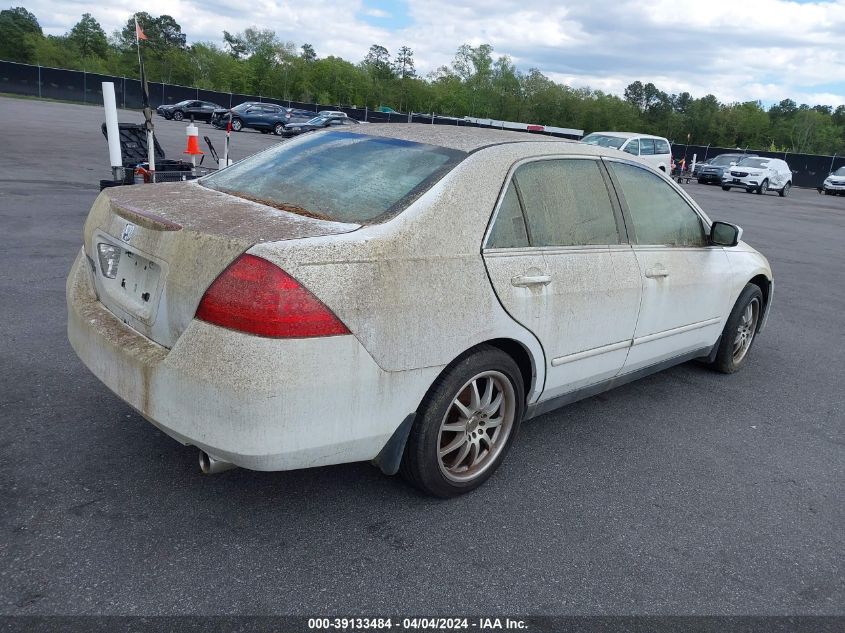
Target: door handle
[(656, 271), (522, 281)]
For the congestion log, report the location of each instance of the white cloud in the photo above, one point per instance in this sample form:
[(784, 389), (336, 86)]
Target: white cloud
[(756, 49)]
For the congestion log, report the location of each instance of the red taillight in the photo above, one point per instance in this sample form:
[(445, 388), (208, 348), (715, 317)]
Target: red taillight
[(252, 295)]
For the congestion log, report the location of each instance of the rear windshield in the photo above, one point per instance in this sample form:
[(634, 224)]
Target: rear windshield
[(604, 140), (338, 175)]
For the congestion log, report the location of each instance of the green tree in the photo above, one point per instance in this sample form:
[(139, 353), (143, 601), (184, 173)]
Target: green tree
[(88, 37), (19, 35)]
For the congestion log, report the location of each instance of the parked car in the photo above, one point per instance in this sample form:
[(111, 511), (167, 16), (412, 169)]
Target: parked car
[(318, 122), (759, 175), (264, 117), (713, 169), (199, 110), (653, 150), (393, 294), (834, 184), (332, 113)]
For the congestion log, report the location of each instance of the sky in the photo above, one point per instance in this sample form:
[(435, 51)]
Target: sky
[(765, 50)]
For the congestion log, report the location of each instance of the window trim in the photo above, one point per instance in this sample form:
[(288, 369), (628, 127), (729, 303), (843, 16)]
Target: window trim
[(615, 203), (706, 223)]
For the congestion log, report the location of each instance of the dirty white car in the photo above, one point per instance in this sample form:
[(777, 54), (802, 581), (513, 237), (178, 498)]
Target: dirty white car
[(757, 174), (652, 150), (406, 295)]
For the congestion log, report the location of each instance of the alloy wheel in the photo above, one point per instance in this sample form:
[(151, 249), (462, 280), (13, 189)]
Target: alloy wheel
[(476, 426), (745, 330)]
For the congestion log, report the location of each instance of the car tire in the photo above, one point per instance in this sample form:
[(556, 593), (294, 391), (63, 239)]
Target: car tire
[(725, 188), (278, 129), (740, 331), (237, 124), (751, 190), (763, 188), (701, 181), (178, 116), (454, 445), (785, 191)]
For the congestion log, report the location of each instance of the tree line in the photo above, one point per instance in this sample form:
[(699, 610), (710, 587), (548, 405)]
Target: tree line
[(256, 61)]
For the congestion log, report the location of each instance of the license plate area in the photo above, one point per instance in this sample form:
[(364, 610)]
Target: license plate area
[(133, 286)]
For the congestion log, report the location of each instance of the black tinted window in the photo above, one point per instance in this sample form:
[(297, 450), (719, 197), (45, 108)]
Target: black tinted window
[(566, 203), (509, 228), (659, 213)]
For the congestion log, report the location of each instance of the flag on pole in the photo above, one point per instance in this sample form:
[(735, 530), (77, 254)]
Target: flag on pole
[(139, 32)]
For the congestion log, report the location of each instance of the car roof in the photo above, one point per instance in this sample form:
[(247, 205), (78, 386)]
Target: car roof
[(459, 137)]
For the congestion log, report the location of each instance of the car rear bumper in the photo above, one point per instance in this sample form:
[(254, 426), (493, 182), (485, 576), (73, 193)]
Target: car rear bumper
[(262, 404)]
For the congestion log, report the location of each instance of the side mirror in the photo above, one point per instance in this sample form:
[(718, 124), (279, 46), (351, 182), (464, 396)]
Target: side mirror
[(725, 234)]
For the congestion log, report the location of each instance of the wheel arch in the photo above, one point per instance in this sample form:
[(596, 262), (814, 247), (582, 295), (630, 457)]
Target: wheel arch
[(766, 287)]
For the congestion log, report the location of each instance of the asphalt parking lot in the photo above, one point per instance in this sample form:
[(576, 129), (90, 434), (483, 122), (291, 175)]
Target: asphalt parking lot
[(688, 492)]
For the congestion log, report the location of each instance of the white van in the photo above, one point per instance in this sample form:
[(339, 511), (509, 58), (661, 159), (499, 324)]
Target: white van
[(652, 150), (757, 174)]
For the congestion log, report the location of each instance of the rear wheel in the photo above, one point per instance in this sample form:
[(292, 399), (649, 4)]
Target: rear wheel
[(178, 115), (237, 125), (466, 424), (740, 330), (785, 191)]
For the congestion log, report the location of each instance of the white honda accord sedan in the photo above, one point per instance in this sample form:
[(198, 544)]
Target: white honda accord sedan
[(403, 294)]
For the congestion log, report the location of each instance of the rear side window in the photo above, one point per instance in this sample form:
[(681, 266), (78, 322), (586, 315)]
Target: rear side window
[(661, 146), (509, 228), (659, 213), (566, 203), (646, 147), (338, 175)]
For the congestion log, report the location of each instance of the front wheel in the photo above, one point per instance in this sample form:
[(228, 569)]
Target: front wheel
[(740, 330), (178, 116), (278, 129), (465, 424), (237, 125), (725, 188), (763, 188), (785, 191)]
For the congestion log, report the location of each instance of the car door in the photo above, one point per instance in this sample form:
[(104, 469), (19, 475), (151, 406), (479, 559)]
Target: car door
[(685, 281), (561, 266)]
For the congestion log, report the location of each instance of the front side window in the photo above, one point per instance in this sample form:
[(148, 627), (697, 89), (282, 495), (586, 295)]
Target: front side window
[(566, 203), (633, 147), (660, 214)]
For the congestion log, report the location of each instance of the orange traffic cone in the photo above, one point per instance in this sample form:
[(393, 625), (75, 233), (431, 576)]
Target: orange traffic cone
[(193, 148)]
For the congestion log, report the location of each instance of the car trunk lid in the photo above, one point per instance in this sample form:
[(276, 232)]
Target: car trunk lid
[(156, 249)]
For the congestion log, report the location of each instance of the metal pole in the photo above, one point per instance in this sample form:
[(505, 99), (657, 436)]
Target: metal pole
[(832, 159), (706, 151)]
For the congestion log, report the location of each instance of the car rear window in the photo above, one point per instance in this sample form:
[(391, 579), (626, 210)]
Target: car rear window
[(340, 176)]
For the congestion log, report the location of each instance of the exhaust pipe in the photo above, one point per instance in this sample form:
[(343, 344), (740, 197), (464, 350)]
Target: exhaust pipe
[(211, 465)]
